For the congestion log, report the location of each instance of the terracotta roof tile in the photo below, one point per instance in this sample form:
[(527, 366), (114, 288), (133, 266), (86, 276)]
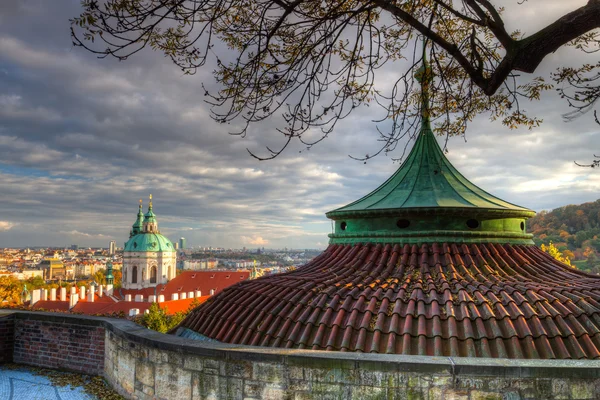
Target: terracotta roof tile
[(478, 300)]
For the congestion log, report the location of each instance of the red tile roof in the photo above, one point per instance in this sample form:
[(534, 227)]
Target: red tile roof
[(189, 281), (105, 305), (51, 305), (477, 300)]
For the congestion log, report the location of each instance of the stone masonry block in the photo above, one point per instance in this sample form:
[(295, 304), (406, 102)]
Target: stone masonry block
[(193, 363), (144, 372), (172, 382), (295, 372), (253, 388), (299, 385), (368, 393), (481, 395), (125, 371), (231, 388), (582, 390), (239, 369), (561, 389), (370, 378), (454, 394), (211, 363), (204, 386), (267, 372)]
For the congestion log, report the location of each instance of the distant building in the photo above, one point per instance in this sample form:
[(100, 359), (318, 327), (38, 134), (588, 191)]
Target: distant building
[(149, 258), (111, 247), (196, 265), (176, 245), (73, 247), (53, 269), (182, 243)]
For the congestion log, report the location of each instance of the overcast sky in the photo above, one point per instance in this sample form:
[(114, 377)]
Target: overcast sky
[(82, 139)]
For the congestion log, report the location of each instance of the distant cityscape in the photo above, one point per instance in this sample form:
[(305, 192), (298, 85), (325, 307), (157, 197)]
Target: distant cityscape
[(75, 263)]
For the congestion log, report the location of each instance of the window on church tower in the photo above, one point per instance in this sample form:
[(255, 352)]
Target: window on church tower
[(153, 274), (134, 273)]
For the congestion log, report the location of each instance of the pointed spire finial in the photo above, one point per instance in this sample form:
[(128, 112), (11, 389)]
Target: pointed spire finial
[(140, 203), (424, 76), (150, 203)]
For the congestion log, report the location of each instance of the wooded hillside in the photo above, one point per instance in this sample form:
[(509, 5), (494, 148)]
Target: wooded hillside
[(574, 229)]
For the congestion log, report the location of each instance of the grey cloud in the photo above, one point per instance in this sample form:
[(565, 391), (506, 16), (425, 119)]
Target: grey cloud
[(82, 139)]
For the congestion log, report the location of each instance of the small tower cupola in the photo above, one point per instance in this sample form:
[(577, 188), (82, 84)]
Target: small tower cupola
[(150, 225), (138, 224), (109, 273), (428, 200)]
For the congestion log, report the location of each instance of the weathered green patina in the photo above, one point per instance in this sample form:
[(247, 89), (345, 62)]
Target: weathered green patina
[(142, 238), (139, 222), (149, 242), (427, 199)]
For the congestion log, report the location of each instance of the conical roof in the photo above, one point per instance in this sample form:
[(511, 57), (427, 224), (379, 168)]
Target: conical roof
[(427, 179), (427, 264)]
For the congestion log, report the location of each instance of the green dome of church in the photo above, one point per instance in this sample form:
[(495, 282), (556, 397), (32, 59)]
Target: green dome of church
[(145, 235), (149, 242)]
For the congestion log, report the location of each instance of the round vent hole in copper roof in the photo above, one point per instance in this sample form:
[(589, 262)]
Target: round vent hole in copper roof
[(403, 223), (473, 223)]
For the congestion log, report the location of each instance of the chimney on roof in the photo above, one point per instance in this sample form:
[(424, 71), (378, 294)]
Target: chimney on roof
[(198, 293), (175, 296), (127, 297), (63, 294), (190, 295), (91, 294), (73, 300), (139, 297), (183, 296), (212, 292), (44, 294), (82, 292), (109, 290), (161, 298), (133, 312), (100, 291), (152, 299), (35, 296), (53, 294)]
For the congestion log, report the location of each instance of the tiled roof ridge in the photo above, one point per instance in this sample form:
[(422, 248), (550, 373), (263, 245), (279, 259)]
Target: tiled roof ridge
[(367, 297)]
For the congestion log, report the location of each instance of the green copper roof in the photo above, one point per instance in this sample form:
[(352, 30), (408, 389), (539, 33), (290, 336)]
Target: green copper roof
[(139, 222), (149, 242), (149, 216), (109, 273), (426, 180), (428, 200)]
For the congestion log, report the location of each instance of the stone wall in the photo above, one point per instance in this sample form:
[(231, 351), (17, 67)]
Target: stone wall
[(143, 364), (66, 343), (7, 337)]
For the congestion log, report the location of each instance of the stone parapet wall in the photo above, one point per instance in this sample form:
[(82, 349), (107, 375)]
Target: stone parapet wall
[(7, 338), (143, 364)]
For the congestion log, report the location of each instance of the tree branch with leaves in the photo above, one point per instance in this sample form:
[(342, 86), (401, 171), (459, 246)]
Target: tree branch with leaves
[(314, 62)]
